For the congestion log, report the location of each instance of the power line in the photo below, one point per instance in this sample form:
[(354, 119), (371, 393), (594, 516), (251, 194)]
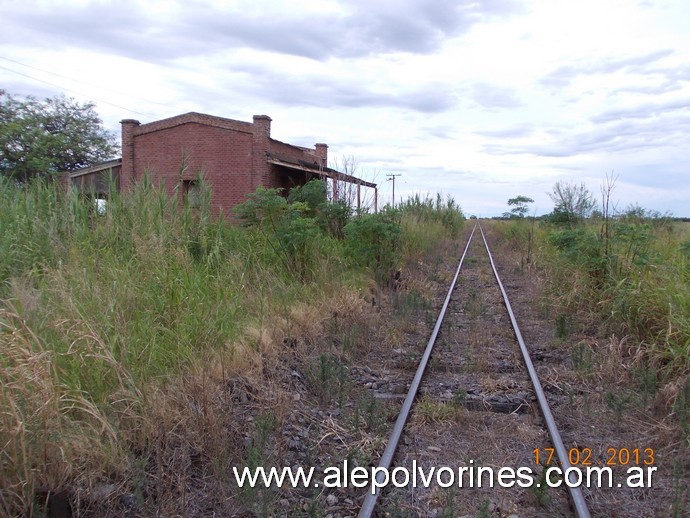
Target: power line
[(77, 92), (84, 82)]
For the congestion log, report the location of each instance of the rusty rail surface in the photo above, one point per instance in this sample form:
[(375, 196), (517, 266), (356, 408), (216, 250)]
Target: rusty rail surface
[(576, 495)]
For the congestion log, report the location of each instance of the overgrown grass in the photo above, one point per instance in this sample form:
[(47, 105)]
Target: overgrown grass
[(97, 308), (427, 221), (638, 281), (628, 275), (120, 330)]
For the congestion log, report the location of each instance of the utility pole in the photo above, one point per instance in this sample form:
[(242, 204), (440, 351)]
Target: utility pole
[(392, 177)]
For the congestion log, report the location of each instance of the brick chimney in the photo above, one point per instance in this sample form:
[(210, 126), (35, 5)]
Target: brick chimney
[(260, 147), (322, 153), (262, 124), (127, 179)]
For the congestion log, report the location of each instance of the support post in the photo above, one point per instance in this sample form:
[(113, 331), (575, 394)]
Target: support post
[(392, 177)]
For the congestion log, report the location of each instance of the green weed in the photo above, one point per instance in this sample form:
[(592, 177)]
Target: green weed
[(103, 311), (449, 509), (328, 379), (367, 413), (483, 510), (563, 326), (618, 403), (427, 410), (540, 490), (409, 303), (259, 498), (648, 381), (582, 358)]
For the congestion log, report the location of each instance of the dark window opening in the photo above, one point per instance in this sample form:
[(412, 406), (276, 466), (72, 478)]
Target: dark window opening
[(191, 190)]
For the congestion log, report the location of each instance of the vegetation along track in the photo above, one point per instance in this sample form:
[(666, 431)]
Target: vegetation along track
[(478, 405)]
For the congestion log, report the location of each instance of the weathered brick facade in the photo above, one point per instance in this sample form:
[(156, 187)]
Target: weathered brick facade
[(230, 155), (233, 157)]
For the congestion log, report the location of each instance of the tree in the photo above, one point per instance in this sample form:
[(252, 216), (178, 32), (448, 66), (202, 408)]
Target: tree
[(573, 202), (520, 208), (314, 193), (43, 138)]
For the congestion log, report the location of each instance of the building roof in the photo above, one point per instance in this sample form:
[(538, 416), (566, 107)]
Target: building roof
[(96, 168), (229, 124), (318, 170), (193, 117)]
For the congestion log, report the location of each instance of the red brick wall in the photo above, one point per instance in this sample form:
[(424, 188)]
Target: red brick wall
[(129, 128), (292, 153), (223, 156), (231, 155)]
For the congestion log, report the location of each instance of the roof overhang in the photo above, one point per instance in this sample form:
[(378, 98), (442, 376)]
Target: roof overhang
[(103, 166), (325, 172)]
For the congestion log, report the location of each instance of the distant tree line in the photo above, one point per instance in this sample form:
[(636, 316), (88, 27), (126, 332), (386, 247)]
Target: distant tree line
[(574, 203)]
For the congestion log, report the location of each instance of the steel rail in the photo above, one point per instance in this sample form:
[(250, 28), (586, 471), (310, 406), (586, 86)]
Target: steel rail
[(575, 492), (370, 500)]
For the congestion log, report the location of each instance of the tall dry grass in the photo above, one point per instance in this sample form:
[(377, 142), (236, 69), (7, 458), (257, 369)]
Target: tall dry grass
[(132, 341), (630, 280), (51, 433)]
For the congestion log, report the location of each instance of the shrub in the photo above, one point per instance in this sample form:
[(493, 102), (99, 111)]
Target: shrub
[(635, 279), (314, 193), (288, 228), (333, 218), (329, 216), (372, 240), (582, 248), (264, 207)]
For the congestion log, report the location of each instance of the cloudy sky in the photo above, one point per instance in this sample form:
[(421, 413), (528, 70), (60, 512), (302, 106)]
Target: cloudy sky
[(481, 100)]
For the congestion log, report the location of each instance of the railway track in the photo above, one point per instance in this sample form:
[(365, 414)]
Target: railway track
[(475, 403)]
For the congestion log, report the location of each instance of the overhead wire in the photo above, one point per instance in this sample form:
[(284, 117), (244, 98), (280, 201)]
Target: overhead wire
[(87, 83), (61, 87)]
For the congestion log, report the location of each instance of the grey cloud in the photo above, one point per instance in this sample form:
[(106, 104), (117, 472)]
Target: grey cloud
[(657, 175), (643, 111), (443, 132), (562, 76), (415, 26), (681, 73), (491, 96), (23, 88), (662, 88), (374, 159), (617, 136), (674, 78), (327, 92), (621, 136), (522, 130)]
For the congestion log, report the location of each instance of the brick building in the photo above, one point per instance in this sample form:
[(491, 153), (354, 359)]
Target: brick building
[(233, 157)]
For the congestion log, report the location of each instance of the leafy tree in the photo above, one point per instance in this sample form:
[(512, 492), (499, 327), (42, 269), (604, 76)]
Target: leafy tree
[(334, 216), (573, 202), (42, 138), (314, 193), (263, 208), (330, 216), (520, 208), (289, 227)]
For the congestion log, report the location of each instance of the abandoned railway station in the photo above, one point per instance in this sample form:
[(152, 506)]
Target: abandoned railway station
[(233, 158)]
